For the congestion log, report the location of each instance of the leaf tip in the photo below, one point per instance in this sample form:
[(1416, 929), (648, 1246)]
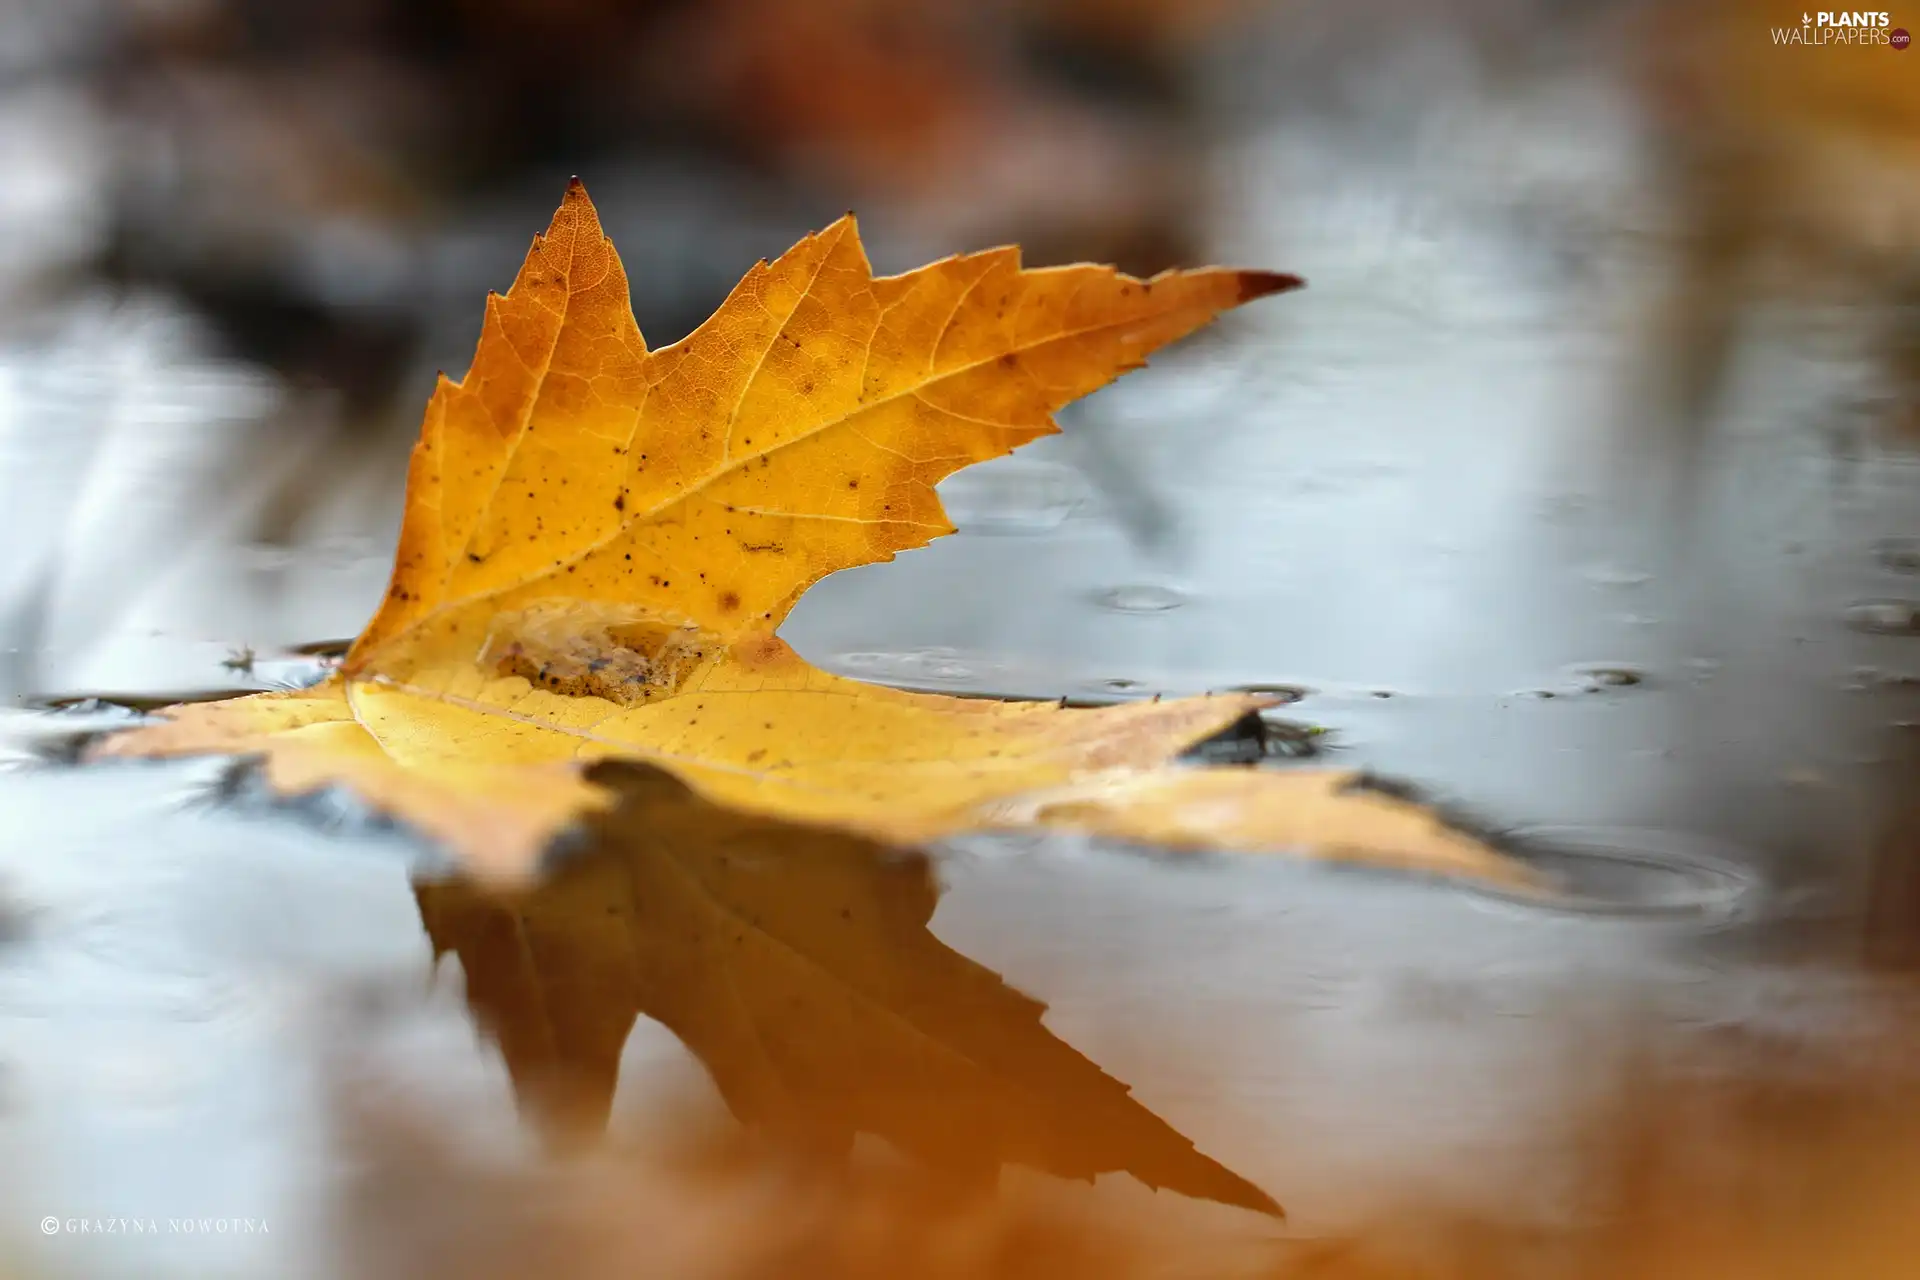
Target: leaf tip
[(577, 204), (1258, 284), (1264, 1203)]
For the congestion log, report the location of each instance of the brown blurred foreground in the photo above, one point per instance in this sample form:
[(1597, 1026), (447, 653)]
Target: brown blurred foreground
[(1765, 1166)]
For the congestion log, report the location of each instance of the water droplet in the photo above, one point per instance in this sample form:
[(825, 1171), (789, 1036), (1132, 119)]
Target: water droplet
[(1885, 617), (1634, 874), (1140, 598), (1900, 555)]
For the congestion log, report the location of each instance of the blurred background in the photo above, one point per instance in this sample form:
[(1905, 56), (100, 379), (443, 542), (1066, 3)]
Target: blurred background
[(1577, 487)]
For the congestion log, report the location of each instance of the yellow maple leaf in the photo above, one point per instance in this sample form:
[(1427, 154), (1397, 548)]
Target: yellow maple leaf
[(599, 541), (796, 963)]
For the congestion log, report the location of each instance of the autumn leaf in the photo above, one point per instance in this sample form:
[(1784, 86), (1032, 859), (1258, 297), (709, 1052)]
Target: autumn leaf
[(600, 540), (795, 962)]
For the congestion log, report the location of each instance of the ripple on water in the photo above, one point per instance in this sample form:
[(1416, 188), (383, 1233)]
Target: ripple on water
[(1595, 677), (1139, 598), (1633, 873), (291, 671), (1899, 555), (1599, 676), (1611, 575), (1283, 693), (939, 665), (1885, 617), (55, 729), (1013, 498)]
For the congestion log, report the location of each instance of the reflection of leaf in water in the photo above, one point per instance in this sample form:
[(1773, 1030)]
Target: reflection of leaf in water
[(797, 964)]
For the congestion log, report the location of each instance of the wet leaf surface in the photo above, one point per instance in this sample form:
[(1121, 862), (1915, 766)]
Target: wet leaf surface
[(600, 539)]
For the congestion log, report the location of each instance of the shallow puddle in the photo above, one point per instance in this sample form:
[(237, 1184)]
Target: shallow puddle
[(206, 998)]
